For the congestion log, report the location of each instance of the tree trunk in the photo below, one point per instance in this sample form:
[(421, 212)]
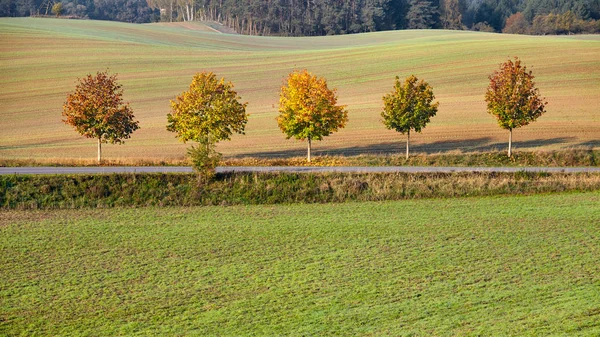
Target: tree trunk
[(510, 143), (99, 151), (308, 153), (407, 143)]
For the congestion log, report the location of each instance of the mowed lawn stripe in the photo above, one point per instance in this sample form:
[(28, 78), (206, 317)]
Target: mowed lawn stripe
[(520, 265)]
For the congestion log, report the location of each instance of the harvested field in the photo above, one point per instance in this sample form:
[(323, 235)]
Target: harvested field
[(41, 59)]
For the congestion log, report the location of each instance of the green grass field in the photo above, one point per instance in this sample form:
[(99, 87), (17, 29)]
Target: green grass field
[(494, 266), (40, 60)]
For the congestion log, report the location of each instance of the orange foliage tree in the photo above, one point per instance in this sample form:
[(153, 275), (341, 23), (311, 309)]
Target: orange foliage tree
[(513, 98), (308, 108), (516, 24), (96, 110)]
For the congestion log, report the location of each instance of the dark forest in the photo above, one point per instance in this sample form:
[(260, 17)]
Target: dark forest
[(332, 17)]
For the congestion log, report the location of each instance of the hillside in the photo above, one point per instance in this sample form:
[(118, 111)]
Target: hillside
[(40, 60)]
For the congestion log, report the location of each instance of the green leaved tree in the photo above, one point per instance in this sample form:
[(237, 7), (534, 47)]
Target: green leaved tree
[(409, 107), (513, 98), (209, 112), (308, 108), (96, 110)]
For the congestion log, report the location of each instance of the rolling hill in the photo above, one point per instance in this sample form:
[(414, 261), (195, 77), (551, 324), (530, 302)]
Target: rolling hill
[(41, 59)]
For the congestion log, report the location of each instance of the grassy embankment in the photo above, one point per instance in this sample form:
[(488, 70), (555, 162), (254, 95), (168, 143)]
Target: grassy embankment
[(40, 60), (127, 190), (493, 266)]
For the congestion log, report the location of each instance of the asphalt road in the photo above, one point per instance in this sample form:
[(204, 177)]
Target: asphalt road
[(295, 169)]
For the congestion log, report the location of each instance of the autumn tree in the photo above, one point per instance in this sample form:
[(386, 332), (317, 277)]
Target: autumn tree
[(516, 24), (57, 9), (513, 98), (96, 110), (209, 112), (409, 107), (308, 108), (451, 17)]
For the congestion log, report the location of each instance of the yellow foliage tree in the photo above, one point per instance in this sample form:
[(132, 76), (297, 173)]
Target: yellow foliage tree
[(308, 108), (207, 113)]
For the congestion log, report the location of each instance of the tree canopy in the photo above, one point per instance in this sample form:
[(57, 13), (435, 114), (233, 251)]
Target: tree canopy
[(209, 112), (409, 107), (96, 110), (513, 98), (308, 109)]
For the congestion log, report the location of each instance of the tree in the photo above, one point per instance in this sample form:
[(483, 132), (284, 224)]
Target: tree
[(483, 27), (57, 9), (421, 15), (513, 98), (451, 17), (308, 108), (409, 107), (96, 110), (207, 113), (516, 24)]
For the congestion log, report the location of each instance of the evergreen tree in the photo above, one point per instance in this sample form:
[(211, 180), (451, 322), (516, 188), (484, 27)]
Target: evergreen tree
[(421, 15)]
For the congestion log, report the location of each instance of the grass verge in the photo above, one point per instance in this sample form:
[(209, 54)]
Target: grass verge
[(126, 190), (562, 158), (489, 266)]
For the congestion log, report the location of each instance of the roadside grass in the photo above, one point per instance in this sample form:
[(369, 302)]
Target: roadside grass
[(492, 266), (560, 158), (139, 190), (40, 60)]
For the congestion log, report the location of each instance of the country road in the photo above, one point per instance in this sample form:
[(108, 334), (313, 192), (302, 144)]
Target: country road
[(293, 169)]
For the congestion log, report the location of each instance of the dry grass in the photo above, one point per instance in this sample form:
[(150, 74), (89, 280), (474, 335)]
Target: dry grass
[(90, 162), (564, 158)]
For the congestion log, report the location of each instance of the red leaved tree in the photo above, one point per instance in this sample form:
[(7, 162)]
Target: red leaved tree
[(96, 110), (513, 98)]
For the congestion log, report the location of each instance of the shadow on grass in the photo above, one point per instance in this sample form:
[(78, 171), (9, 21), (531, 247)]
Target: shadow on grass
[(589, 144), (483, 144), (534, 143)]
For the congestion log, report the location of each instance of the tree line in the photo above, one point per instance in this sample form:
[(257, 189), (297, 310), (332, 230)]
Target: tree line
[(326, 17), (211, 111), (133, 11)]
